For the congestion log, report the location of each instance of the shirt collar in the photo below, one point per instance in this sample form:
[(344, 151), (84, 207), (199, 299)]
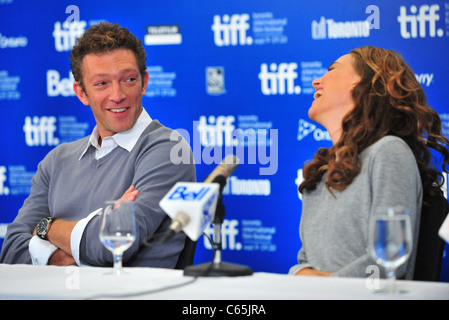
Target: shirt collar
[(127, 139)]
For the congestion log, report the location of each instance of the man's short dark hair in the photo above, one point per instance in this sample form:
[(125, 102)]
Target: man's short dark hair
[(101, 38)]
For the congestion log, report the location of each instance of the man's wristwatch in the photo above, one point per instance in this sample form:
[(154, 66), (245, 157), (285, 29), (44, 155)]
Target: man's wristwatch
[(43, 226)]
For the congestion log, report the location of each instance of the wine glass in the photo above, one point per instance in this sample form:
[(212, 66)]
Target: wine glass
[(390, 241), (118, 229)]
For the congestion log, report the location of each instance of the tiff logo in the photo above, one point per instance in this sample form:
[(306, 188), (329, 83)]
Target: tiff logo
[(409, 22), (279, 79), (218, 132), (66, 33), (4, 190), (229, 234), (231, 30), (39, 131)]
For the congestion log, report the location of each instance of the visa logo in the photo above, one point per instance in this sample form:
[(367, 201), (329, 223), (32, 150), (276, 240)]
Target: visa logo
[(181, 193)]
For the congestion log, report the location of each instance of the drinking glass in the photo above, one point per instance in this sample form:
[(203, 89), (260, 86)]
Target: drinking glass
[(390, 241), (118, 229)]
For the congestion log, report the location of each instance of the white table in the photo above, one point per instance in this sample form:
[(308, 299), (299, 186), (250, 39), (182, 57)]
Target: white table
[(48, 282)]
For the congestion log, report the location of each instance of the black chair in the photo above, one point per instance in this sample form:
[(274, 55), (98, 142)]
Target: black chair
[(430, 246), (187, 254)]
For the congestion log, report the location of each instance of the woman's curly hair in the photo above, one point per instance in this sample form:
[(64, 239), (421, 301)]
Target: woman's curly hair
[(101, 38), (388, 101)]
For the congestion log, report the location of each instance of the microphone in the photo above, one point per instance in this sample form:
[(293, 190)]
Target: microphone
[(223, 171), (191, 206), (220, 175), (181, 218)]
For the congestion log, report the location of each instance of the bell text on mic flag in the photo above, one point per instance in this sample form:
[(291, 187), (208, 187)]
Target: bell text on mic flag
[(191, 206)]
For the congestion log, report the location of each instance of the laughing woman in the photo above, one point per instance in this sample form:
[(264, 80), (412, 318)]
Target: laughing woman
[(381, 129)]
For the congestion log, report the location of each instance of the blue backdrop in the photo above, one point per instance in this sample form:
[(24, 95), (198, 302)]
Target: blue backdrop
[(230, 75)]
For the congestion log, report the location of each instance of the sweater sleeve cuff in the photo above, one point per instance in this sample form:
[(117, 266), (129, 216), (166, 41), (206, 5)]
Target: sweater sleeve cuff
[(296, 268), (77, 234)]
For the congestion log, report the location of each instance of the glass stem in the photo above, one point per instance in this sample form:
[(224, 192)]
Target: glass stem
[(391, 280), (118, 263)]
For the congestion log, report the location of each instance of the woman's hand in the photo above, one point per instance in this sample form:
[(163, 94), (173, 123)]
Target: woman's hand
[(313, 272)]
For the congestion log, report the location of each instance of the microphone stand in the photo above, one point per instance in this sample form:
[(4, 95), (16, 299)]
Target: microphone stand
[(217, 268)]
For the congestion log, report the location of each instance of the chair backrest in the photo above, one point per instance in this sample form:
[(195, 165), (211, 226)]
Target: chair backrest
[(187, 254), (430, 246)]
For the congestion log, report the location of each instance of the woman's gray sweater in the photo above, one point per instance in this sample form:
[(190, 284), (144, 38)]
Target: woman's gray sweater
[(334, 228)]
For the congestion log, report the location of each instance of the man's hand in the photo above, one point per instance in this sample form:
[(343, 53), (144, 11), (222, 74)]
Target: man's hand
[(60, 233), (130, 194), (61, 258)]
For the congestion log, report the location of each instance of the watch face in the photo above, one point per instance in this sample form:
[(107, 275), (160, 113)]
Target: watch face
[(42, 227)]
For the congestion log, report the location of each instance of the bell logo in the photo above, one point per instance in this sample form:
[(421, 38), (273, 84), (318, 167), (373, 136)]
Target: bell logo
[(182, 193), (59, 86), (39, 131), (231, 30), (409, 22)]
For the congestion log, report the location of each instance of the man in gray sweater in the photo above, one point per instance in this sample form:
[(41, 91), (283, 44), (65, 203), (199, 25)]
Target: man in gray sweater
[(127, 157)]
